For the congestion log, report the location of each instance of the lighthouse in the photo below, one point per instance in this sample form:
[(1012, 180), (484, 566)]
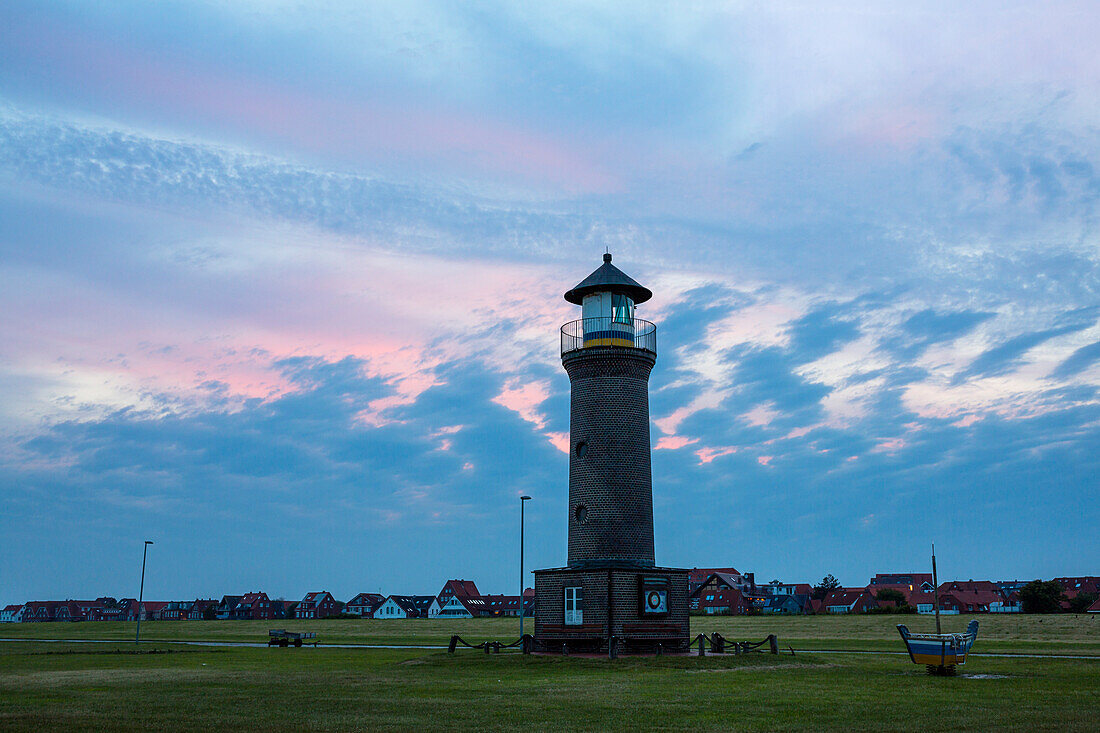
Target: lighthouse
[(611, 587)]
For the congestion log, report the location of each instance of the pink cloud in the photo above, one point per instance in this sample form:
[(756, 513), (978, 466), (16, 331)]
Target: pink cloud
[(764, 460), (154, 81), (967, 421), (798, 432), (761, 415), (674, 442), (559, 441), (893, 445), (706, 455), (524, 399)]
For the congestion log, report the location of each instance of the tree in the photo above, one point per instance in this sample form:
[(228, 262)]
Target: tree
[(891, 594), (210, 613), (822, 589), (1081, 602), (1041, 596)]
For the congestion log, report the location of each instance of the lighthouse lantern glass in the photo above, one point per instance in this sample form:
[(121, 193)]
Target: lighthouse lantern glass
[(607, 319), (622, 308)]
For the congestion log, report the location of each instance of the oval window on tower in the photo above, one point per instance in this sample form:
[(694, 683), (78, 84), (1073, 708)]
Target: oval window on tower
[(581, 513), (581, 449)]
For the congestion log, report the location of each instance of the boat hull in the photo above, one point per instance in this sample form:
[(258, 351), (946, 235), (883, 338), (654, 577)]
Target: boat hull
[(939, 650)]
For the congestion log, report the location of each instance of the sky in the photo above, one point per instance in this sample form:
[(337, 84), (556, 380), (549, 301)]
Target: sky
[(281, 284)]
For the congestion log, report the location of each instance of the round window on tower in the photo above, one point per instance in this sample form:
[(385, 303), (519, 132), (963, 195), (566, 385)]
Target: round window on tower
[(581, 513), (582, 449)]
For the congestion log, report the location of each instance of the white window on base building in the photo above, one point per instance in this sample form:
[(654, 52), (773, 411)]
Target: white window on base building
[(574, 606)]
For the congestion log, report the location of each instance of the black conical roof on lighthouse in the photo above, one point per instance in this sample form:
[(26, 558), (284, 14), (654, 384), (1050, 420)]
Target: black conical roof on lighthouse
[(609, 279)]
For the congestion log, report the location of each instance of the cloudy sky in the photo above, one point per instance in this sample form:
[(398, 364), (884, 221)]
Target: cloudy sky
[(280, 286)]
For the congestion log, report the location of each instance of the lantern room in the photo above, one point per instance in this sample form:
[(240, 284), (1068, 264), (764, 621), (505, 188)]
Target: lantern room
[(607, 299)]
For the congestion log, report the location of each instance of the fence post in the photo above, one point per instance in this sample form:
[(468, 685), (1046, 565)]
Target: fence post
[(486, 645), (773, 640), (525, 644), (702, 646), (453, 644), (716, 643), (613, 647), (660, 648)]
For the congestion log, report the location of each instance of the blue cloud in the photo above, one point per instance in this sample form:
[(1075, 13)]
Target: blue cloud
[(1078, 361), (1004, 358)]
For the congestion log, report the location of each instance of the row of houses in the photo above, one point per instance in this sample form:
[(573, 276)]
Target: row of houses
[(711, 591), (457, 599), (725, 591)]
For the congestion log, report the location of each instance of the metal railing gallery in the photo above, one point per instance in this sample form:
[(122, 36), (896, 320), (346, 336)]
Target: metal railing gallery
[(586, 333)]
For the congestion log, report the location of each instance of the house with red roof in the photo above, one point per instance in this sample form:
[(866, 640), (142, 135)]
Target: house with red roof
[(971, 596), (725, 581), (925, 603), (1009, 603), (128, 608), (201, 608), (227, 607), (458, 599), (39, 611), (255, 605), (319, 604), (848, 600), (502, 605), (1095, 607), (905, 582), (1073, 587), (1082, 584), (718, 601), (11, 614), (152, 610), (457, 589), (364, 604), (731, 577)]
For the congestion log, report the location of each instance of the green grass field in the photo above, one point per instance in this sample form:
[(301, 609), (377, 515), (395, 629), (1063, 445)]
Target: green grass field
[(84, 686), (1008, 633)]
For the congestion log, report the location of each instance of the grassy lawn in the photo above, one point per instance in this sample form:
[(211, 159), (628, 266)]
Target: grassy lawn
[(1008, 633), (158, 684), (109, 686)]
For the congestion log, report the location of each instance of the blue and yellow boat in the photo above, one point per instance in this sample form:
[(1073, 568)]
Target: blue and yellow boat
[(940, 653)]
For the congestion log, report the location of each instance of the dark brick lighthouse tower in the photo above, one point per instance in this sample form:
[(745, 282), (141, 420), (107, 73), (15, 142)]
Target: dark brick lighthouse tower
[(611, 587)]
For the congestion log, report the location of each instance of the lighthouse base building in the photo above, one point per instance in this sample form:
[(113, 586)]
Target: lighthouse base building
[(584, 609), (611, 591)]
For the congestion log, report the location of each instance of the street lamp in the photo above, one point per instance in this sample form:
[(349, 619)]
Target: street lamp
[(141, 590), (522, 500)]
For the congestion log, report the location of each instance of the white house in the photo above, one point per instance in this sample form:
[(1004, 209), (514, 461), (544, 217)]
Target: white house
[(453, 608), (394, 607), (404, 607), (12, 614), (1004, 607)]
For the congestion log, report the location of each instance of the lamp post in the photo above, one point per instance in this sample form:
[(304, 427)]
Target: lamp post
[(141, 590), (522, 500)]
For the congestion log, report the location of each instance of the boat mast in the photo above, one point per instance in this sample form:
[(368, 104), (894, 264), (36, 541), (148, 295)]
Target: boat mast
[(935, 588)]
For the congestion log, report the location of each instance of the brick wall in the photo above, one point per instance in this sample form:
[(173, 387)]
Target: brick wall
[(627, 621), (611, 477)]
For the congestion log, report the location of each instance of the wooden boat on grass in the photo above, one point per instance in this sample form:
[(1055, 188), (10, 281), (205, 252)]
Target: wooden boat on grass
[(940, 653)]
